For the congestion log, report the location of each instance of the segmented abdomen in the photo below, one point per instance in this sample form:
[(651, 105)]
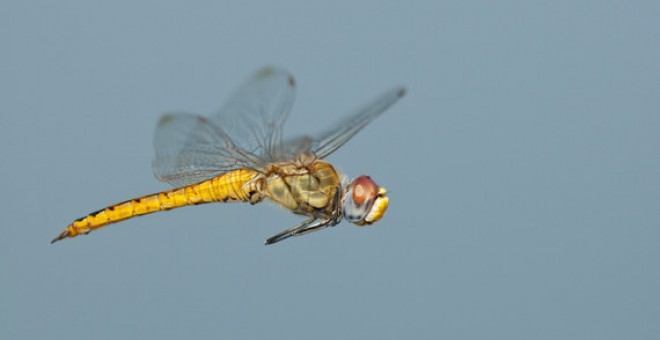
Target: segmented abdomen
[(234, 186)]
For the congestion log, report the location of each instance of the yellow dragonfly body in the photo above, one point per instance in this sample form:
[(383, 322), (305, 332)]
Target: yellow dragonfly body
[(238, 155)]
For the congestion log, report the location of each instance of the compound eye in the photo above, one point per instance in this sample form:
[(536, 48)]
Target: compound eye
[(364, 189), (365, 201)]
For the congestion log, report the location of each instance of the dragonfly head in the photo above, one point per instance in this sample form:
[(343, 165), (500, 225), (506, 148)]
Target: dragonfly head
[(365, 201)]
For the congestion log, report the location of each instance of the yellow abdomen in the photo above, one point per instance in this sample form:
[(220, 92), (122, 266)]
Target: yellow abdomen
[(234, 186)]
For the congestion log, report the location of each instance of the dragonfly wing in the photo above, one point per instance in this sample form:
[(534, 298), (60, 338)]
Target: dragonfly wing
[(254, 115), (190, 148), (245, 133), (326, 143)]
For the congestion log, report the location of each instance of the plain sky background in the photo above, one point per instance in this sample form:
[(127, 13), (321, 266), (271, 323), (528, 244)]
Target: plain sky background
[(523, 168)]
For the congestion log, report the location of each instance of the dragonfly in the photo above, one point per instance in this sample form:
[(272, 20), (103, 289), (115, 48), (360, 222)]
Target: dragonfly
[(240, 155)]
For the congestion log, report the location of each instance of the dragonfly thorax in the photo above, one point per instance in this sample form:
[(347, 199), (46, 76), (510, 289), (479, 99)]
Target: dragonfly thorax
[(306, 188)]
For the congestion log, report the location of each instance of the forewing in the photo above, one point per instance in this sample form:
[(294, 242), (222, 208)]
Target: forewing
[(326, 143), (190, 148), (246, 133), (254, 115)]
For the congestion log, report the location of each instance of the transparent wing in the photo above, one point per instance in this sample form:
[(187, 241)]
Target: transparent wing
[(190, 148), (326, 143), (246, 133), (254, 115)]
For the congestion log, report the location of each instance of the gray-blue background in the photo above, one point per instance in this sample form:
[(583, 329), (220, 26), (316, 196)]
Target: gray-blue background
[(523, 169)]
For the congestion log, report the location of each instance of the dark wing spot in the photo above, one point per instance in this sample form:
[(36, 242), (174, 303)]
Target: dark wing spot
[(264, 72), (165, 119)]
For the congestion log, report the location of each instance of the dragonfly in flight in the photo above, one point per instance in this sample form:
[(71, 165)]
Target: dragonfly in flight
[(239, 155)]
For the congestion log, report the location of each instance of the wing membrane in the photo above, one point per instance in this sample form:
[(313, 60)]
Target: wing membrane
[(190, 148), (245, 133), (254, 115), (326, 143)]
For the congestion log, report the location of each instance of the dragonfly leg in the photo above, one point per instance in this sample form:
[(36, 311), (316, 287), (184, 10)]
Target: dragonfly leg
[(314, 227), (309, 226), (289, 232), (336, 212)]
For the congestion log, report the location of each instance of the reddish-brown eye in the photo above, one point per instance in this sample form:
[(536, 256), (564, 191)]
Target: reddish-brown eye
[(364, 188)]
